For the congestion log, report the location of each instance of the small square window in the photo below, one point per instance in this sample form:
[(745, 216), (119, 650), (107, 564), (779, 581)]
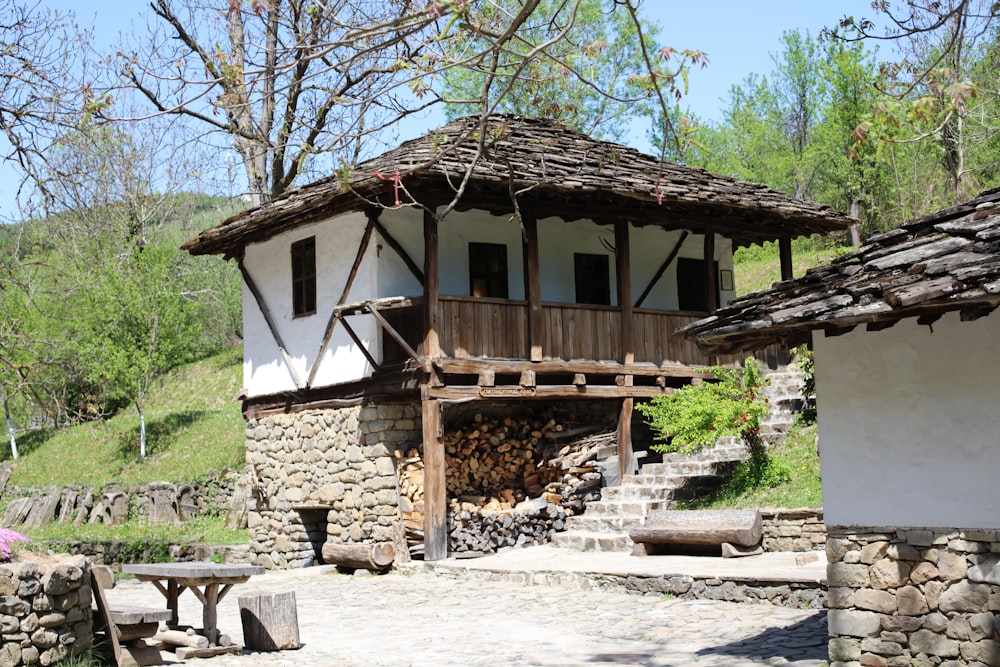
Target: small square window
[(488, 270), (592, 275), (304, 277)]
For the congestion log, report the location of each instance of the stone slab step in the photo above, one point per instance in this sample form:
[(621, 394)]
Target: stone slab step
[(651, 490), (627, 507), (603, 524), (589, 541)]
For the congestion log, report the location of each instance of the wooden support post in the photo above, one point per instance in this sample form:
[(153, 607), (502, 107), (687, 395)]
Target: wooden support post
[(711, 281), (533, 287), (785, 254), (623, 271), (432, 347), (625, 438), (487, 378), (435, 496), (527, 379), (580, 380)]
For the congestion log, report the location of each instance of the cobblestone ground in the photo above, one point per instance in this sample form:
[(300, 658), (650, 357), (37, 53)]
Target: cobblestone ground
[(421, 619)]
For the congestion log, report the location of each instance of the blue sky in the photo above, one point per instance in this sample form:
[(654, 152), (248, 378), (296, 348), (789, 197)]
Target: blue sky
[(739, 37)]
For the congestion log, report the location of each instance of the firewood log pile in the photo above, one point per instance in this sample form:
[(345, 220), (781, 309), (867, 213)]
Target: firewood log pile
[(510, 481)]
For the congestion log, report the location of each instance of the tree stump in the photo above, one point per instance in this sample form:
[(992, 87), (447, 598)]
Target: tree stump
[(270, 622)]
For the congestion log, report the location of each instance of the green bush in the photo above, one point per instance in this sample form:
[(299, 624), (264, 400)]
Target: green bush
[(696, 416)]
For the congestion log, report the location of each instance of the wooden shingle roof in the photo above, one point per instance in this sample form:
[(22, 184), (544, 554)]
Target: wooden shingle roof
[(943, 262), (554, 171)]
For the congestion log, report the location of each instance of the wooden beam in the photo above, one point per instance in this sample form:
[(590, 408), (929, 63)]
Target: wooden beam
[(533, 287), (623, 272), (579, 380), (785, 255), (472, 392), (394, 244), (624, 437), (487, 378), (389, 329), (361, 346), (265, 311), (663, 268), (432, 347), (712, 299), (332, 322), (527, 378), (463, 366), (435, 495)]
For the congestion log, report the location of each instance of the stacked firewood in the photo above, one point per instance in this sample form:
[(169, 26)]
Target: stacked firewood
[(510, 481)]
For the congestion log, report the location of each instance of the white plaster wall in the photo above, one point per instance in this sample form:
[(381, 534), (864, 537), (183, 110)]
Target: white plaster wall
[(557, 242), (909, 424), (269, 264)]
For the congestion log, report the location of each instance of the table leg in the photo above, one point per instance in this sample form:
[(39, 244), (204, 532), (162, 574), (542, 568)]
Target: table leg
[(173, 592), (210, 614)]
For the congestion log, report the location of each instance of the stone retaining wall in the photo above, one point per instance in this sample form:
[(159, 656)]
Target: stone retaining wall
[(793, 529), (45, 612), (325, 475), (913, 596)]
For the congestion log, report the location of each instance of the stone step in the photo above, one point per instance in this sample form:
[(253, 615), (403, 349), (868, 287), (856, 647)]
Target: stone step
[(625, 507), (650, 471), (601, 523), (632, 490), (586, 541)]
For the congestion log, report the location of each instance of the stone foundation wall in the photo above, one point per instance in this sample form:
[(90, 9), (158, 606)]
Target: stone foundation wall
[(913, 596), (45, 612), (325, 475), (793, 529)]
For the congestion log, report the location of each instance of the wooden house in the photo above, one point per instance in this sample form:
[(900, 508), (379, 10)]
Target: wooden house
[(908, 430), (511, 260)]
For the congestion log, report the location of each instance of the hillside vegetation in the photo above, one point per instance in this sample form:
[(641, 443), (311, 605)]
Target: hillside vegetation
[(194, 427)]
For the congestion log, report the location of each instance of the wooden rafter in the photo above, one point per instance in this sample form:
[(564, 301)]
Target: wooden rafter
[(399, 250), (272, 327), (663, 268)]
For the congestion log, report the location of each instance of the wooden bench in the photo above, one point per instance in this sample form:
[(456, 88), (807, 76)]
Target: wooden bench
[(734, 532), (125, 628)]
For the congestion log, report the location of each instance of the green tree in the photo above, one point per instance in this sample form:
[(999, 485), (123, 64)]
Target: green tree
[(590, 79)]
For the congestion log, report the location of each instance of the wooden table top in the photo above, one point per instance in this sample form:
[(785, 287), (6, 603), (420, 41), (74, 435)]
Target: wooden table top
[(198, 570)]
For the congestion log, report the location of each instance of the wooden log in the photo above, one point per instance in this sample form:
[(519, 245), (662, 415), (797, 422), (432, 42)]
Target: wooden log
[(178, 638), (375, 557), (270, 622), (700, 527)]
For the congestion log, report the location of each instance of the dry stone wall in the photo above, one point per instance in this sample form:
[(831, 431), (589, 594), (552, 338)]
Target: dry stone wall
[(793, 529), (913, 596), (325, 475), (45, 612)]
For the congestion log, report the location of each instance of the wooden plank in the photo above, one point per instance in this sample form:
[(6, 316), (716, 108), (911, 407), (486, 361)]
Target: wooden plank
[(271, 326), (435, 493), (785, 255), (663, 267), (586, 366), (533, 287), (432, 348)]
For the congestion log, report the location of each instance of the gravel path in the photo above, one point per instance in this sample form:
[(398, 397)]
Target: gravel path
[(421, 619)]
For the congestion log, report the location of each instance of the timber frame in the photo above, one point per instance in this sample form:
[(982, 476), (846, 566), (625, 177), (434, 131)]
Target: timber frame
[(440, 349)]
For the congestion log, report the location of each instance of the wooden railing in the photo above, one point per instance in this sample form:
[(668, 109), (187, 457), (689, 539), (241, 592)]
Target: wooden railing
[(498, 329)]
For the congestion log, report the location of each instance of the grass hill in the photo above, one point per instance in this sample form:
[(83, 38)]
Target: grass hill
[(194, 428)]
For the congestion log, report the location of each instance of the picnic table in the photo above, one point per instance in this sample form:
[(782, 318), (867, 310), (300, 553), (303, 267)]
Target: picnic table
[(209, 582)]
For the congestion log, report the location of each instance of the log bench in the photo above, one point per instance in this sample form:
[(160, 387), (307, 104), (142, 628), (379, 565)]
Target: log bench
[(704, 532), (125, 628)]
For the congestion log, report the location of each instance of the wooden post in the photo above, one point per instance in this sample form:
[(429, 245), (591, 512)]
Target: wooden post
[(625, 438), (270, 622), (712, 298), (623, 273), (785, 254), (435, 496), (533, 287), (432, 347)]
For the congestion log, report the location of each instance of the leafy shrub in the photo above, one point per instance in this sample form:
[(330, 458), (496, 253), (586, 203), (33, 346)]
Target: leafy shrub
[(696, 416), (804, 360)]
